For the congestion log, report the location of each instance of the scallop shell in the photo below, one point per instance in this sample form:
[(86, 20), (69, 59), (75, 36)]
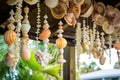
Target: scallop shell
[(51, 3), (59, 11), (12, 2), (86, 8), (107, 28), (31, 2), (100, 8)]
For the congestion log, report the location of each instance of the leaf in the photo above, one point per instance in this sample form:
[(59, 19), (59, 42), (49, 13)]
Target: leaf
[(38, 76), (53, 70), (33, 63)]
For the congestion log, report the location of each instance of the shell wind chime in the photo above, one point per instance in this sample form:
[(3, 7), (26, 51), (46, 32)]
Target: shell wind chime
[(85, 43), (11, 58), (25, 53), (44, 56), (61, 44)]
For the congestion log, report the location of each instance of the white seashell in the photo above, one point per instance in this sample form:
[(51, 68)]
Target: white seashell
[(25, 27), (31, 2), (61, 60), (12, 2), (51, 3), (25, 53)]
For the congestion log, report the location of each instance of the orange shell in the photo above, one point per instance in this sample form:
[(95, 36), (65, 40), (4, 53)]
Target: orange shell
[(45, 34), (61, 42), (117, 46), (10, 37)]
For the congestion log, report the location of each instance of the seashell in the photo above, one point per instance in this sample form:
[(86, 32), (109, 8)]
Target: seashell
[(10, 37), (59, 11), (87, 8), (102, 60), (98, 19), (45, 34), (12, 2), (97, 52), (110, 11), (85, 46), (61, 42), (51, 3), (61, 59), (100, 8), (117, 44), (70, 19), (75, 8), (11, 60), (31, 2), (25, 52), (80, 2), (25, 27), (107, 28), (117, 31)]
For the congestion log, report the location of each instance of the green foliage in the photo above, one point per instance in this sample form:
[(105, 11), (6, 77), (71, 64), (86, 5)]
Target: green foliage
[(24, 68), (89, 68)]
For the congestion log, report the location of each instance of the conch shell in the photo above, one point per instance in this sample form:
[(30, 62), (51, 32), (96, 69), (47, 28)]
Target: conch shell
[(11, 60), (25, 53)]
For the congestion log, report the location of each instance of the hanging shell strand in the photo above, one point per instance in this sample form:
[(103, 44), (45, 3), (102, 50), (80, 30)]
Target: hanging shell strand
[(61, 44), (11, 58), (44, 36), (25, 52)]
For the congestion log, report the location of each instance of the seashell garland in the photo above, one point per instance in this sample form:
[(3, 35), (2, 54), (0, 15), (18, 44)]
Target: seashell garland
[(11, 58), (25, 53)]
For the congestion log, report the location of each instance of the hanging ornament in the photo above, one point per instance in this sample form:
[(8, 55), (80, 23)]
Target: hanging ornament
[(85, 40), (61, 44), (25, 52), (44, 56), (97, 50), (10, 37), (102, 57), (110, 46), (38, 24), (78, 45)]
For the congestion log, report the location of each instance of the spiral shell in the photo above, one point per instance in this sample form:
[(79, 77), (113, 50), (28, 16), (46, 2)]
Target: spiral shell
[(9, 37)]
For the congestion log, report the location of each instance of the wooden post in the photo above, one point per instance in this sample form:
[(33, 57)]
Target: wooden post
[(72, 64), (69, 66)]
